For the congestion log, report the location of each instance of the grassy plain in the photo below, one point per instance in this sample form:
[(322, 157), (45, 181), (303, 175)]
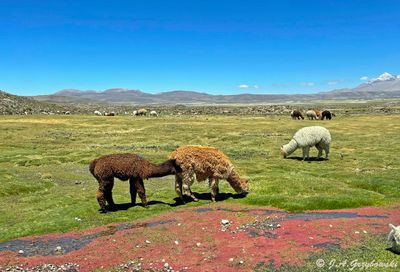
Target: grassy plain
[(45, 185)]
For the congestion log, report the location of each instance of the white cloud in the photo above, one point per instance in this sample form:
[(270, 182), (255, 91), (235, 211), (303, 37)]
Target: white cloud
[(243, 86), (364, 78), (307, 84), (256, 87)]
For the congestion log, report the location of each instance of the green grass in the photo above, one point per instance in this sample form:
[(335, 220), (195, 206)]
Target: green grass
[(43, 157), (369, 255)]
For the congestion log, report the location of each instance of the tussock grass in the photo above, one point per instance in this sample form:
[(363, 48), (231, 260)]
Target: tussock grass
[(45, 182)]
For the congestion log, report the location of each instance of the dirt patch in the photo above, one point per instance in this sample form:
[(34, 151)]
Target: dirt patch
[(216, 237)]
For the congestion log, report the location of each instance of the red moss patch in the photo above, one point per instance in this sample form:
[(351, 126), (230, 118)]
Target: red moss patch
[(194, 240)]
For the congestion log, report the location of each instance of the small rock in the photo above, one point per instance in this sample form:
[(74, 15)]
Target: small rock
[(224, 222), (77, 182), (176, 242), (231, 259), (198, 244), (179, 224), (58, 248), (330, 226), (20, 251), (241, 262), (356, 232), (163, 260), (166, 265), (78, 219), (148, 242)]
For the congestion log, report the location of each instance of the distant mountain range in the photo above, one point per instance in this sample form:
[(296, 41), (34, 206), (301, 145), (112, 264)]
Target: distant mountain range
[(384, 87)]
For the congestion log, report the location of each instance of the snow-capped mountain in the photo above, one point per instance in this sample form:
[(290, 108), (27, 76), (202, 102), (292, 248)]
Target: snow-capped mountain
[(385, 77)]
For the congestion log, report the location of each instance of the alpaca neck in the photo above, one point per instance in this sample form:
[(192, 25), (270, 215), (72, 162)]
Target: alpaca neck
[(160, 170), (290, 147), (235, 181)]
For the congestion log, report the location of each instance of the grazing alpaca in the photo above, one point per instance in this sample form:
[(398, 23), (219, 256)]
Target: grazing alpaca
[(124, 167), (311, 114), (153, 113), (141, 112), (296, 115), (318, 113), (96, 112), (307, 137), (394, 237), (201, 163), (327, 114)]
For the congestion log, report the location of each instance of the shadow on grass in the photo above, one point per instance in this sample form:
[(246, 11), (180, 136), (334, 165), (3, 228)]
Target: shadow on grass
[(127, 206), (206, 196), (393, 250), (311, 159)]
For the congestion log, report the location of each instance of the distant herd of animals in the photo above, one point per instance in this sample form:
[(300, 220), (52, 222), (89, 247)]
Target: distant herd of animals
[(190, 163), (139, 112), (312, 115)]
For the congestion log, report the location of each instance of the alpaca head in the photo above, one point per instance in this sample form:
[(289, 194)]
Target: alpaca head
[(172, 166), (283, 153), (394, 235), (244, 186)]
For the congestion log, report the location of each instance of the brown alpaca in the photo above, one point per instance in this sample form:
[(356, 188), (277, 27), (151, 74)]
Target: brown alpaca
[(201, 163), (296, 115), (318, 113), (141, 112), (124, 167)]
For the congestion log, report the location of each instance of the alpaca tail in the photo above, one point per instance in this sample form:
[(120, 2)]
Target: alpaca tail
[(92, 166)]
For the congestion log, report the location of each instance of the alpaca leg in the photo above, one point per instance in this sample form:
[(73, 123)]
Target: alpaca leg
[(141, 191), (188, 179), (132, 190), (214, 188), (306, 151), (178, 186), (101, 199), (108, 186), (327, 147), (319, 147)]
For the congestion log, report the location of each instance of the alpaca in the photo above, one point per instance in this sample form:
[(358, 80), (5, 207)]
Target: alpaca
[(311, 114), (307, 137), (96, 112), (201, 163), (394, 237), (153, 113), (296, 115), (124, 167), (141, 112), (318, 113), (327, 114)]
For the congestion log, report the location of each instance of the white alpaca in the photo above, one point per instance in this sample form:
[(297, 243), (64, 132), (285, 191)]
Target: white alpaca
[(307, 137), (153, 113), (97, 113), (394, 237)]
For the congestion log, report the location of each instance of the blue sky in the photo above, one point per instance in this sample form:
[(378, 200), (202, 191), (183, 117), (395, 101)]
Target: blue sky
[(219, 47)]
